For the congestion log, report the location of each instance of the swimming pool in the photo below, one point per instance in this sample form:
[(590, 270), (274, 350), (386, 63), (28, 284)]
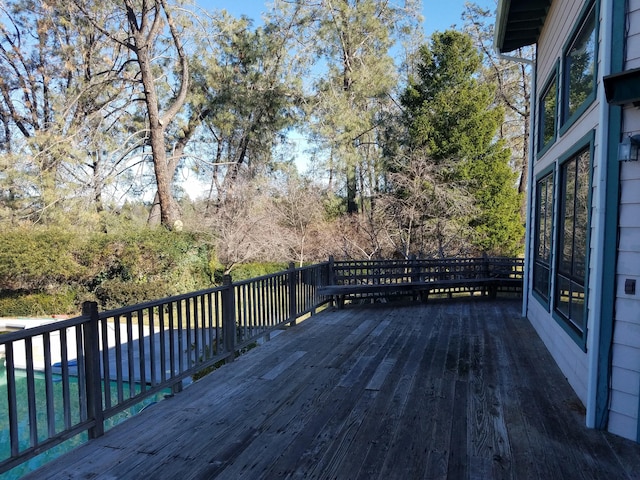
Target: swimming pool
[(23, 418)]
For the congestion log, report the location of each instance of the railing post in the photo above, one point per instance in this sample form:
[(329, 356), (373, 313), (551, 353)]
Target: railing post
[(414, 268), (92, 368), (331, 273), (292, 276), (229, 318)]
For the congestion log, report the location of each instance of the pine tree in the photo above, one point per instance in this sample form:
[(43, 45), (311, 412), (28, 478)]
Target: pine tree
[(452, 115)]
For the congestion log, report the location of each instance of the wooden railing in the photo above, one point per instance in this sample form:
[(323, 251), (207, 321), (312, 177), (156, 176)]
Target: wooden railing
[(422, 278), (76, 375), (81, 372)]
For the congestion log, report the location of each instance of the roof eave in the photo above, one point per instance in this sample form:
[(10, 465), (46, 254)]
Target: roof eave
[(519, 23)]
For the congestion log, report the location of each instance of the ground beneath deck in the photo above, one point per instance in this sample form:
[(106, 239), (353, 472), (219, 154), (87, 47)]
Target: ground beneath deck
[(458, 390)]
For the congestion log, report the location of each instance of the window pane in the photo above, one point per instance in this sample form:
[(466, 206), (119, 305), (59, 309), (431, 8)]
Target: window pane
[(576, 307), (580, 66), (548, 115), (541, 280), (568, 216), (544, 207), (581, 215), (573, 221), (563, 294)]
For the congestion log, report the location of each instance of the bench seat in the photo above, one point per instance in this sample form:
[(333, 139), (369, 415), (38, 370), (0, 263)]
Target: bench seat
[(420, 289)]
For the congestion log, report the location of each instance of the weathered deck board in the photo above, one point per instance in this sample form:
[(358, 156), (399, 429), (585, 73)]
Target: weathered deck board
[(459, 390)]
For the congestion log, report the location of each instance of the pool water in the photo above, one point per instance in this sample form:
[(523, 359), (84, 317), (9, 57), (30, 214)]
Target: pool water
[(23, 418)]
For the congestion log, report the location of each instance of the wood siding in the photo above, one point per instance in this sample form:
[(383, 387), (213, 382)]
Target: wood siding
[(625, 368), (560, 23)]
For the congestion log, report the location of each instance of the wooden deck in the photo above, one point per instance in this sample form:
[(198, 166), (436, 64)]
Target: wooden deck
[(457, 390)]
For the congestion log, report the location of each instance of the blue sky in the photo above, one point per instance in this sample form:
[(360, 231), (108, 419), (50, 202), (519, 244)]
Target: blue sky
[(438, 14)]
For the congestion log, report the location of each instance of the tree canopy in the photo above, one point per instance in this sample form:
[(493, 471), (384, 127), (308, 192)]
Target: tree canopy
[(111, 111)]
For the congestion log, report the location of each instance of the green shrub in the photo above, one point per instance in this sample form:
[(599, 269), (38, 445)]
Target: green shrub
[(38, 259), (38, 304), (251, 270), (116, 293)]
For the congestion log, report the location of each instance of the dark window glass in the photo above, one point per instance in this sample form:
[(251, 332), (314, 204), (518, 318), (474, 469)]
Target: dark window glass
[(544, 224), (580, 66), (572, 248), (548, 114)]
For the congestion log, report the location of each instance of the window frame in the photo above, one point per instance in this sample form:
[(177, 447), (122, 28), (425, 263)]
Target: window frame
[(566, 120), (553, 80), (548, 174), (579, 335)]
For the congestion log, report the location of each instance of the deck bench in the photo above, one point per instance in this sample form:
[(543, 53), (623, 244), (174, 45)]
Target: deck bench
[(421, 278)]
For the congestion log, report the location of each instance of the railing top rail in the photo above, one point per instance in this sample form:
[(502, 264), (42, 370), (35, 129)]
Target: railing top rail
[(279, 274), (40, 329), (156, 303)]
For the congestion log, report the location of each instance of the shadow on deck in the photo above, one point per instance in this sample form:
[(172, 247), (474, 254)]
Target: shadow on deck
[(453, 390)]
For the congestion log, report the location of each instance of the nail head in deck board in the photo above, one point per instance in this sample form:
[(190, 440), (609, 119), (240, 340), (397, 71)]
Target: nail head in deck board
[(472, 390)]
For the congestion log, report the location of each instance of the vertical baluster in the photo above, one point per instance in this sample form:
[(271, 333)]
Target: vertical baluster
[(130, 357), (12, 401), (188, 324), (48, 385), (142, 365), (66, 389), (181, 347), (31, 393), (163, 345), (80, 370), (263, 304), (218, 319), (172, 339), (196, 332), (118, 346), (152, 346), (205, 318), (211, 324), (106, 367)]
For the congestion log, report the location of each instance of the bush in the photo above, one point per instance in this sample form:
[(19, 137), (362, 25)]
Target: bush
[(38, 304), (52, 271), (38, 259), (251, 270), (118, 269), (113, 294)]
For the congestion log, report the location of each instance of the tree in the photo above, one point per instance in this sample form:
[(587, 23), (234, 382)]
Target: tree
[(452, 115), (60, 100), (513, 80), (245, 81), (351, 41), (139, 28), (298, 209), (426, 210)]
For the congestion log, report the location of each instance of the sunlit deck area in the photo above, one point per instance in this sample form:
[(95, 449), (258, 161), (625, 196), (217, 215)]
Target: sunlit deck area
[(448, 389)]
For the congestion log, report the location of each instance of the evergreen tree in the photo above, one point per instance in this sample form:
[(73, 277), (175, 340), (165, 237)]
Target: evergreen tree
[(452, 115)]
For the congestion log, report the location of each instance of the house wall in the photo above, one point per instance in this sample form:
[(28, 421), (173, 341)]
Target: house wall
[(569, 356), (625, 373)]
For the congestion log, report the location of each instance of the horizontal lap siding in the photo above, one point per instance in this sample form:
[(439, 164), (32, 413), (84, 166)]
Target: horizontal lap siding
[(559, 25), (625, 373), (569, 357)]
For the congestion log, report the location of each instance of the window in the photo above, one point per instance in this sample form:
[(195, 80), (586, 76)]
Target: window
[(579, 68), (544, 224), (573, 220), (547, 114)]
